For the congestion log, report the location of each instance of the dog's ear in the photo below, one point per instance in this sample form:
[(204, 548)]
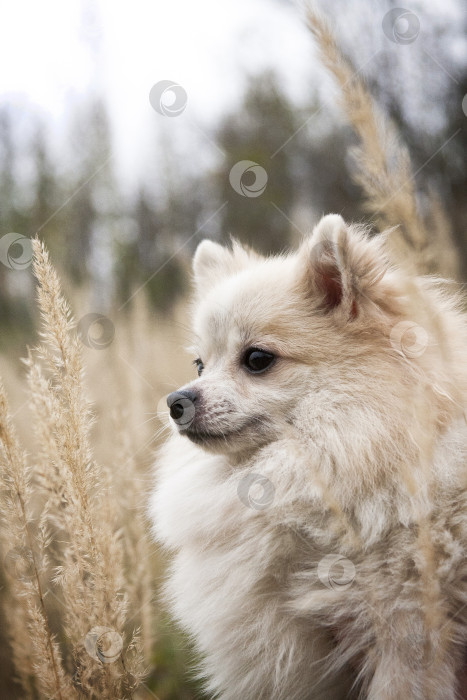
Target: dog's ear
[(341, 267), (212, 262)]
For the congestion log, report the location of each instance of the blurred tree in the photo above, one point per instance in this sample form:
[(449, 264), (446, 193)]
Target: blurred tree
[(257, 132), (305, 161), (147, 258), (92, 189), (45, 189), (326, 183), (15, 316)]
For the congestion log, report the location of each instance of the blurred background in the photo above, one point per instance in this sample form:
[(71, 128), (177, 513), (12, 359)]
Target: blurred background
[(120, 124), (122, 193)]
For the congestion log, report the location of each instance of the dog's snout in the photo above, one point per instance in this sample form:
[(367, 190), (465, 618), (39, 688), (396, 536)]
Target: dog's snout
[(182, 406)]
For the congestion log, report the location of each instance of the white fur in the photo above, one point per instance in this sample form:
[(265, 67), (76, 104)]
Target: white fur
[(364, 450)]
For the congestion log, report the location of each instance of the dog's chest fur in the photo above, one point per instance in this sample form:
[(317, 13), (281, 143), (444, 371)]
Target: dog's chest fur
[(292, 599)]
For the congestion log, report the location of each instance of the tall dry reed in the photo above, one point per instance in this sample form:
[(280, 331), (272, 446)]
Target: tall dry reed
[(383, 166)]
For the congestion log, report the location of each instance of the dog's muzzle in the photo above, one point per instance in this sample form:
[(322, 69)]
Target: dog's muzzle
[(182, 407)]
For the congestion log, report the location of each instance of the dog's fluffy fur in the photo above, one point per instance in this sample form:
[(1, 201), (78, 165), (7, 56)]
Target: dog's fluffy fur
[(349, 579)]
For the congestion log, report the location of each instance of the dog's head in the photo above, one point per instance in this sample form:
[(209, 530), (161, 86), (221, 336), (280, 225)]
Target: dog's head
[(285, 339)]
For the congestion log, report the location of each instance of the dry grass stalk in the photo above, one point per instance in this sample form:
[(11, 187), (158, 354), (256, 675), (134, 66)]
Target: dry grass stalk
[(383, 165), (26, 554), (91, 572), (102, 654), (132, 489)]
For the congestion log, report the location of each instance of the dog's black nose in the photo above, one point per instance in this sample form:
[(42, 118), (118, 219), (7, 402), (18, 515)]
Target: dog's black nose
[(182, 406)]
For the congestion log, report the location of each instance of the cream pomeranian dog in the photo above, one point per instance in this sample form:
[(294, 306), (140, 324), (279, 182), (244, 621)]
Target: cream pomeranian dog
[(314, 490)]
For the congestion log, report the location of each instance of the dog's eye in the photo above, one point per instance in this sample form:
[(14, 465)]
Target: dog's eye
[(199, 364), (257, 361)]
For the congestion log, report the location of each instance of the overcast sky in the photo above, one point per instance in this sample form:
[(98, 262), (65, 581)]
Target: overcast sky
[(53, 53)]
